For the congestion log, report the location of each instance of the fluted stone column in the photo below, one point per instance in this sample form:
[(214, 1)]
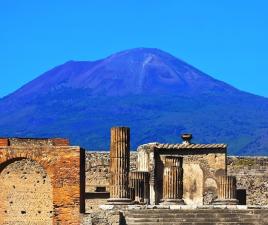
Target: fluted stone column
[(226, 191), (173, 181), (139, 180), (119, 165)]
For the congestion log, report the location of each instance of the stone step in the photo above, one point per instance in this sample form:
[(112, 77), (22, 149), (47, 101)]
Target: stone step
[(198, 219), (196, 223), (200, 216), (193, 215), (159, 211)]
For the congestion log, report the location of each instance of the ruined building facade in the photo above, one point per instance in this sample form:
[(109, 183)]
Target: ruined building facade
[(41, 182), (49, 182)]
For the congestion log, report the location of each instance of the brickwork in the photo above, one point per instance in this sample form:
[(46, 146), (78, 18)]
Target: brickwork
[(26, 194), (58, 166), (48, 171)]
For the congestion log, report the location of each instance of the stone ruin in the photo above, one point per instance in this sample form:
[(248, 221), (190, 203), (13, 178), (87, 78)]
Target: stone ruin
[(169, 173), (182, 183), (44, 182), (41, 182)]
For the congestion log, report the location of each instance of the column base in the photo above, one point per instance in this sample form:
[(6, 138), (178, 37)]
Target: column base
[(120, 201), (172, 202), (139, 202), (225, 202)]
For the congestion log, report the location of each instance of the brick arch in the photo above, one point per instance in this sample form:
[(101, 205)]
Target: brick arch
[(26, 193), (30, 156), (61, 162)]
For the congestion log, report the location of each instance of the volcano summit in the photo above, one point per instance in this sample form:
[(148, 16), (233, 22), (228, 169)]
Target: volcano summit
[(154, 93)]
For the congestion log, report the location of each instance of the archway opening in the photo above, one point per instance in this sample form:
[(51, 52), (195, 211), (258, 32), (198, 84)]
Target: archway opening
[(25, 194)]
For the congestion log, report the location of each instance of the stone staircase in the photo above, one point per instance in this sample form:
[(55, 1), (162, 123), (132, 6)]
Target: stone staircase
[(196, 217)]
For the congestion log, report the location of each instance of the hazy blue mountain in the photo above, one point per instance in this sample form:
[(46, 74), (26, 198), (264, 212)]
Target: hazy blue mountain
[(156, 94)]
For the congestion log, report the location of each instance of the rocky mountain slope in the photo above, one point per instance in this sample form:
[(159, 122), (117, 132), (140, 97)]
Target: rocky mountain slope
[(156, 94)]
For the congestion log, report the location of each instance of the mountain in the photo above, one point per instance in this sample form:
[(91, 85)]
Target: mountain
[(151, 91)]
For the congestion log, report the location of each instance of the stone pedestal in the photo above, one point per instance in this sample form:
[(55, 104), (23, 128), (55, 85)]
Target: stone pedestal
[(226, 191), (139, 181), (119, 165), (173, 181)]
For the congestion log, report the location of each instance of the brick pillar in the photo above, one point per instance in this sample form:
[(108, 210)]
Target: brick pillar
[(226, 191), (140, 182), (173, 181), (119, 165), (4, 142)]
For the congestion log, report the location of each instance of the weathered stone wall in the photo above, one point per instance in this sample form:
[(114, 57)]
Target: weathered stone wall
[(26, 142), (198, 169), (26, 194), (103, 217), (252, 176), (98, 175), (97, 169), (35, 167), (48, 171)]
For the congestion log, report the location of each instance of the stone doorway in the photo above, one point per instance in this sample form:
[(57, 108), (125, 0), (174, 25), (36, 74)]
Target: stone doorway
[(25, 194)]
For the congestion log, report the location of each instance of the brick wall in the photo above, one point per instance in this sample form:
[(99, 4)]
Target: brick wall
[(61, 166), (26, 194)]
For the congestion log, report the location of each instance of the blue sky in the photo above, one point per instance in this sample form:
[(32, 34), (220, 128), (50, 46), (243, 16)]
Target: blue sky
[(226, 39)]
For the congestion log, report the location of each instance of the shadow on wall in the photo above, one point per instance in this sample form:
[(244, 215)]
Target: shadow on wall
[(241, 195)]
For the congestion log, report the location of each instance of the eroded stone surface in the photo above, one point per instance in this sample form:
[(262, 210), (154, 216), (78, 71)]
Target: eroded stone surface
[(251, 174), (193, 184), (61, 168), (252, 178), (26, 194)]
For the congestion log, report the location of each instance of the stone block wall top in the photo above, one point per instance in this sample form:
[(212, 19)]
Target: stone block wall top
[(34, 142)]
